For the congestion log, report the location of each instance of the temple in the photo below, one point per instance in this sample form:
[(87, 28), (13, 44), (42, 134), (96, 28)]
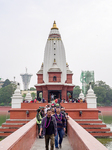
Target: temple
[(54, 78)]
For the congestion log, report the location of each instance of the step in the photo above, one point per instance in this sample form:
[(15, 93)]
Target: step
[(91, 125), (17, 120), (98, 130), (89, 121), (6, 129), (4, 134), (12, 125), (107, 134)]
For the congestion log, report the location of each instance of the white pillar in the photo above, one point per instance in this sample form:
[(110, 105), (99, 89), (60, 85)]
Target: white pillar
[(91, 99), (17, 98)]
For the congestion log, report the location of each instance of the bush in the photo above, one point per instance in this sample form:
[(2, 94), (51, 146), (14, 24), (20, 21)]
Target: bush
[(9, 104), (2, 104)]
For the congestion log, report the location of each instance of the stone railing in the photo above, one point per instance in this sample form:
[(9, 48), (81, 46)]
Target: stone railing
[(21, 139), (80, 139)]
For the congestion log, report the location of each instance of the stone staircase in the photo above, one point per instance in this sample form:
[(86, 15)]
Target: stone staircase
[(95, 127), (11, 125)]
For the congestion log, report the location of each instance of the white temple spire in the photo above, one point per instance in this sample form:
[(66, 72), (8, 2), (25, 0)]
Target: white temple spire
[(54, 52)]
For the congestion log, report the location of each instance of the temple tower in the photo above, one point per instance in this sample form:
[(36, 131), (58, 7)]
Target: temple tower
[(54, 77), (26, 79), (54, 54)]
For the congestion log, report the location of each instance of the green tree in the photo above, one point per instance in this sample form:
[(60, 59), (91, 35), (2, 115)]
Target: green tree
[(33, 95), (7, 82), (24, 95), (76, 91), (103, 93), (6, 93), (32, 89)]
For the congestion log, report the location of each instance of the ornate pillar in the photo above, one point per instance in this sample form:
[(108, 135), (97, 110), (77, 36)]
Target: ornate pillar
[(45, 93), (64, 93)]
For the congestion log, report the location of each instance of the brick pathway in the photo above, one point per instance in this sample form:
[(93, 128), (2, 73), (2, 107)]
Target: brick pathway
[(39, 144)]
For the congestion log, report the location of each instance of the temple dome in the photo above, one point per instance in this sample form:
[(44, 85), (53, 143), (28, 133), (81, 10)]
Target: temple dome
[(90, 92)]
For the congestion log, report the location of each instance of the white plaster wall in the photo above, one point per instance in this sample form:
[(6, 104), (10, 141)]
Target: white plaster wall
[(91, 105), (92, 100), (16, 103)]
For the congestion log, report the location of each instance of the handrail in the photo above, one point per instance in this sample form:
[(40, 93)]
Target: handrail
[(80, 139), (21, 139)]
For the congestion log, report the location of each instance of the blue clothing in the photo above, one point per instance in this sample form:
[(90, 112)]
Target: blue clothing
[(61, 133), (61, 123)]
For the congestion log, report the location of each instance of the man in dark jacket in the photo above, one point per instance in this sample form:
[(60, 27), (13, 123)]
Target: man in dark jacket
[(49, 127)]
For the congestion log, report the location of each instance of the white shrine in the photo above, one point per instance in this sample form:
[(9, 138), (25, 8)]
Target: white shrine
[(28, 97), (91, 99), (81, 95), (17, 98)]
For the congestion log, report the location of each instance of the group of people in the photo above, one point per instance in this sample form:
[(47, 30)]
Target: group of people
[(51, 122), (74, 100)]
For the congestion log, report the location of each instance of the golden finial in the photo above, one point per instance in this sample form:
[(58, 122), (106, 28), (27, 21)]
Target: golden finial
[(54, 26)]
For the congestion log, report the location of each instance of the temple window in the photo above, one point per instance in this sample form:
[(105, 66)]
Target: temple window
[(54, 78)]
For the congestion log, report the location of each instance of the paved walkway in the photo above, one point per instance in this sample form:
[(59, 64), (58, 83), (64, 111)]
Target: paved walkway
[(39, 144)]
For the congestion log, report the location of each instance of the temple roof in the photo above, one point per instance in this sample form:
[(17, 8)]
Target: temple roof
[(54, 68), (54, 26)]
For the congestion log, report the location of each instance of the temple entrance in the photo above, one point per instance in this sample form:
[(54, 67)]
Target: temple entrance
[(54, 94)]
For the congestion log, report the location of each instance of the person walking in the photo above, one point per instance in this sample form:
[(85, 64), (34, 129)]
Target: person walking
[(49, 127), (39, 120), (61, 127)]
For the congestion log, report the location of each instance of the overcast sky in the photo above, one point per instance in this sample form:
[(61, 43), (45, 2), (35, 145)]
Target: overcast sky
[(85, 27)]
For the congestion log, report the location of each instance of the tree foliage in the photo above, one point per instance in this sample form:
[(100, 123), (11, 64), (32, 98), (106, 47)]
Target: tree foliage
[(76, 91), (103, 93), (24, 95), (6, 82), (32, 89), (6, 93), (33, 95)]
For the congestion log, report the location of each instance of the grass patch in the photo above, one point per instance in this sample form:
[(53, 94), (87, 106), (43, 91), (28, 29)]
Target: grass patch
[(3, 118), (105, 141), (1, 139), (106, 119)]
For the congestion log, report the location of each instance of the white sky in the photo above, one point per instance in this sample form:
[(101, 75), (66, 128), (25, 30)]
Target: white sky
[(85, 27)]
